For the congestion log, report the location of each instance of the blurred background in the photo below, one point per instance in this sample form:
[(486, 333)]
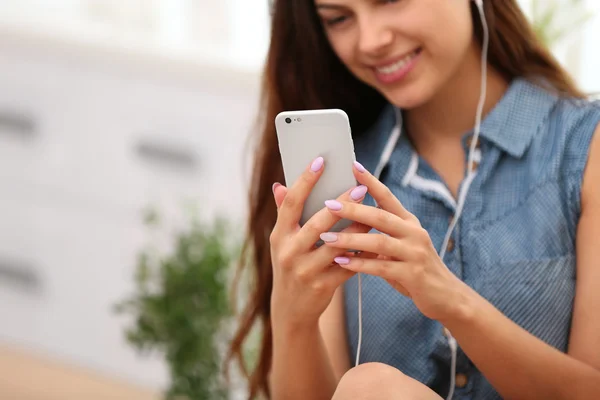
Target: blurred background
[(118, 117)]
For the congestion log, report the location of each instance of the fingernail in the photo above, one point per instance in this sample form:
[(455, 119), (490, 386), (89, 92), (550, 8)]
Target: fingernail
[(275, 186), (317, 164), (358, 192), (342, 260), (333, 205), (359, 167), (328, 237)]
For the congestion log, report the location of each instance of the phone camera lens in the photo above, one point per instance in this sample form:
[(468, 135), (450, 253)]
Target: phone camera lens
[(288, 120)]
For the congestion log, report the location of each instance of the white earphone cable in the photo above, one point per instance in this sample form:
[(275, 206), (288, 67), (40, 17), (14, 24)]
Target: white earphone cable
[(477, 131), (359, 320), (470, 176), (383, 160), (462, 195)]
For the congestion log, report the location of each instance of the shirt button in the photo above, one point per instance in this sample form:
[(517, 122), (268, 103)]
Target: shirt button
[(461, 380), (450, 246)]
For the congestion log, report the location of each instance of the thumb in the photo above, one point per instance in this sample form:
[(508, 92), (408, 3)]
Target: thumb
[(279, 192)]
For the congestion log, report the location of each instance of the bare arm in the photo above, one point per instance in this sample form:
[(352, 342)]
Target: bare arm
[(333, 329), (305, 296), (322, 351), (584, 341), (301, 366), (312, 358), (519, 365)]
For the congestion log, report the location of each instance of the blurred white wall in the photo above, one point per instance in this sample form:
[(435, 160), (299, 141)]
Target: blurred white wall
[(589, 69), (216, 32)]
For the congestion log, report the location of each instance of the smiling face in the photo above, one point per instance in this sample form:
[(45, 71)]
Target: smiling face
[(406, 49)]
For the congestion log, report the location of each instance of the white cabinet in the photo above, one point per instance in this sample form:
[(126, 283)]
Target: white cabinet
[(85, 144), (82, 262)]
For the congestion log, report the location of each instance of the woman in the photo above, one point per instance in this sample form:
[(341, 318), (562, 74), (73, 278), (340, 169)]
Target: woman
[(505, 289)]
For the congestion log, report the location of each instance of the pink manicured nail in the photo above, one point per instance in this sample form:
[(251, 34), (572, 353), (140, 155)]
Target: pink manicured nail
[(275, 186), (342, 260), (358, 192), (359, 167), (333, 205), (328, 237), (317, 164)]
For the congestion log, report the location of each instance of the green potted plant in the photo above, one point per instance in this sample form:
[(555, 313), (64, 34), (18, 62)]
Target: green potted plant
[(180, 305)]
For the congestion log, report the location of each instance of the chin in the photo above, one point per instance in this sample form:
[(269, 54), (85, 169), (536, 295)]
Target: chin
[(412, 91), (406, 98), (408, 94)]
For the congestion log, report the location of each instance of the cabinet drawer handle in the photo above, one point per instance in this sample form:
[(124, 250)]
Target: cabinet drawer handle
[(17, 124), (168, 153), (21, 275)]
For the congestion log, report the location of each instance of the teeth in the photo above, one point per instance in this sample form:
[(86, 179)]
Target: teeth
[(389, 69)]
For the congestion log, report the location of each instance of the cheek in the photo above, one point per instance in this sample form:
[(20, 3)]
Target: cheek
[(448, 39), (342, 46)]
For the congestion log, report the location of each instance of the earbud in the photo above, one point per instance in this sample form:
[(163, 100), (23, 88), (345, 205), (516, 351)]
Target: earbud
[(479, 3)]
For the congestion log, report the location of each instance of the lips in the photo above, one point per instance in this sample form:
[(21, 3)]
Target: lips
[(399, 64), (395, 71)]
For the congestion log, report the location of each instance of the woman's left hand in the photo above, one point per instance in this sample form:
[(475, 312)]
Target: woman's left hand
[(405, 255)]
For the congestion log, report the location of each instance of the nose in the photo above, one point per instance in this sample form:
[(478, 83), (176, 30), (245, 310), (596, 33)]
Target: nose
[(374, 37)]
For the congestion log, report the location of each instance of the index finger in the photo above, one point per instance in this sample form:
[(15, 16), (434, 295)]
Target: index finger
[(381, 194), (291, 208), (324, 220)]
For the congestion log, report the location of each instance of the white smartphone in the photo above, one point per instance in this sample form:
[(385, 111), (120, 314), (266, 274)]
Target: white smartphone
[(305, 135)]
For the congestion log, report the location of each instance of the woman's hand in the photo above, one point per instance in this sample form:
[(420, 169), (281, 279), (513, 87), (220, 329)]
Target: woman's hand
[(304, 276), (405, 256)]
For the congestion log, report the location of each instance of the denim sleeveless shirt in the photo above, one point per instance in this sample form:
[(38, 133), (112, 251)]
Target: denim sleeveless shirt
[(514, 243)]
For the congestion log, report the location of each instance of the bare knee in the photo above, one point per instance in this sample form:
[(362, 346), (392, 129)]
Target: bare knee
[(369, 381), (376, 381)]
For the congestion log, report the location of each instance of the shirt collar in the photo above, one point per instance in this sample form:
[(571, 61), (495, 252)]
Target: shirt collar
[(511, 125), (515, 120)]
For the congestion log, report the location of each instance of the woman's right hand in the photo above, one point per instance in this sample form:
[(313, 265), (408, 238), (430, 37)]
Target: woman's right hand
[(305, 277)]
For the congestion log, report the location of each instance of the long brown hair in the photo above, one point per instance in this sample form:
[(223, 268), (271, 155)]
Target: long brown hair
[(302, 72)]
